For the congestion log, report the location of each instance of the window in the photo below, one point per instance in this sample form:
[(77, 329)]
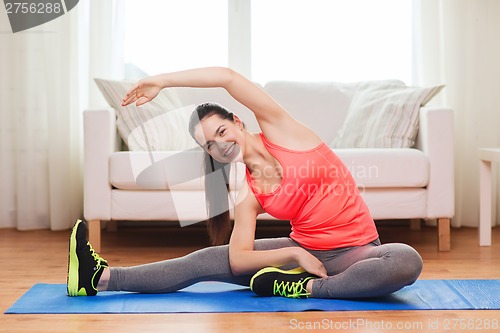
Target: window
[(339, 40), (169, 35)]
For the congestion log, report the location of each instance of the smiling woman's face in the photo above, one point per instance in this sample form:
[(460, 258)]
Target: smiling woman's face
[(221, 138)]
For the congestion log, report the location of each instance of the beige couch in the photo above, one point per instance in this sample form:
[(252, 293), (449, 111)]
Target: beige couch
[(397, 183)]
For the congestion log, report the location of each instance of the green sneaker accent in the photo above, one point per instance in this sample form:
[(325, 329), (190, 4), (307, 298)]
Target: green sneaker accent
[(72, 283), (291, 289), (272, 281), (85, 266), (82, 292)]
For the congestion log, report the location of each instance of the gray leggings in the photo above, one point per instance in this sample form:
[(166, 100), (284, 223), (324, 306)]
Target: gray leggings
[(371, 270)]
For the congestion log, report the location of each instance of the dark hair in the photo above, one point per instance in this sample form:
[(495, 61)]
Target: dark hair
[(216, 179)]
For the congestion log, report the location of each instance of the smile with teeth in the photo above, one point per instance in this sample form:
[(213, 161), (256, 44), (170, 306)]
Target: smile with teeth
[(230, 150)]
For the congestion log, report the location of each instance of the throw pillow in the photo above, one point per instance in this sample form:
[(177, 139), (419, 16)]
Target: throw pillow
[(383, 116), (161, 124)]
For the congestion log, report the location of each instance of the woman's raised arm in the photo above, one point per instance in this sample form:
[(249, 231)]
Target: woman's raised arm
[(240, 88), (274, 121)]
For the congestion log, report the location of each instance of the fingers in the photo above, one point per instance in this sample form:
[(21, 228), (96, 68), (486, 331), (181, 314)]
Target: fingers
[(322, 273), (312, 264), (132, 95), (320, 270), (128, 99), (135, 98)]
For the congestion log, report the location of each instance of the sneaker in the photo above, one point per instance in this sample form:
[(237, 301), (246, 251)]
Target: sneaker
[(85, 267), (272, 281)]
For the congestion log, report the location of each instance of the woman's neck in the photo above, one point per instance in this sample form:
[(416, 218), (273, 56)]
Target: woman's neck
[(255, 151)]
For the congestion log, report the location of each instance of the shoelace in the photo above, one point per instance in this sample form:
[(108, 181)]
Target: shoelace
[(290, 289), (97, 258), (100, 262)]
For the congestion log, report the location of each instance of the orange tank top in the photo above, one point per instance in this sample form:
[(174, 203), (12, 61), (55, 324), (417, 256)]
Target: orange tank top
[(319, 196)]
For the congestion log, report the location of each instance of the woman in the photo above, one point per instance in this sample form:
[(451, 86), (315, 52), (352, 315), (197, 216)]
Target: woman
[(333, 250)]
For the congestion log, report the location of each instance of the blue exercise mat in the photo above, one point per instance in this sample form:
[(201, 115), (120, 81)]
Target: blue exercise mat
[(208, 297)]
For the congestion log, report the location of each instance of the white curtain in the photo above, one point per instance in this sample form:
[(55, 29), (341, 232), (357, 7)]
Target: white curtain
[(457, 43), (45, 84)]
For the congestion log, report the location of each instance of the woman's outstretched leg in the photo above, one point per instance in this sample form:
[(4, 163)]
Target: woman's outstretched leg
[(208, 264)]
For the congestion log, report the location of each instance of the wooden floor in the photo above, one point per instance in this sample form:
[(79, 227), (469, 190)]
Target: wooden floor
[(31, 257)]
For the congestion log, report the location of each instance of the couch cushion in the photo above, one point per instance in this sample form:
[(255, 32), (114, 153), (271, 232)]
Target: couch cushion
[(173, 170), (383, 116), (386, 167), (320, 105), (161, 124), (182, 170)]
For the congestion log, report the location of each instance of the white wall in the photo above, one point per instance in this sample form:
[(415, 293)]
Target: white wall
[(470, 61)]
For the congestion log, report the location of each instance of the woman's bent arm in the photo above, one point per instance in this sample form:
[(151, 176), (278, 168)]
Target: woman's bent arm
[(242, 257)]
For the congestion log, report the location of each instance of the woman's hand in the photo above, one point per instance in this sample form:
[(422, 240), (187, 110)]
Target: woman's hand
[(310, 263), (143, 91)]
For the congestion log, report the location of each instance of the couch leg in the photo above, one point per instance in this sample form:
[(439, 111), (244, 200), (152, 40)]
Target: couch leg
[(444, 239), (95, 234)]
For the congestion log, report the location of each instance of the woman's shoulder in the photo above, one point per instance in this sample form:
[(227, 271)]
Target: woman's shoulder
[(294, 137)]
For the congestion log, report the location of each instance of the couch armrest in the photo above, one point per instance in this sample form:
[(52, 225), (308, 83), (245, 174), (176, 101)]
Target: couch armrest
[(436, 140), (100, 140)]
